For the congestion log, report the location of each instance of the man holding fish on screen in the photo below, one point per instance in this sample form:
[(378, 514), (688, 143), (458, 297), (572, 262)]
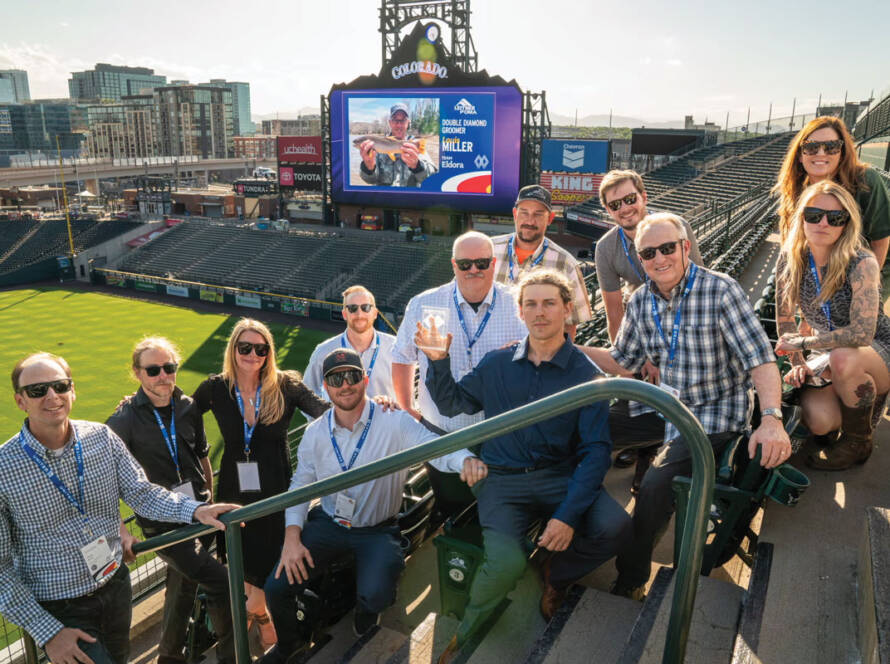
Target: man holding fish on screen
[(397, 160)]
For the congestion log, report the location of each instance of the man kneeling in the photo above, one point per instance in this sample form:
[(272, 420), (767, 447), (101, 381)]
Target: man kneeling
[(553, 469), (361, 520)]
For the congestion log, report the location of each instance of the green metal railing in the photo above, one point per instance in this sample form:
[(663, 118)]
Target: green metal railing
[(693, 536)]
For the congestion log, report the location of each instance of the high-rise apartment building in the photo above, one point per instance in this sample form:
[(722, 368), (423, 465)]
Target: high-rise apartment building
[(243, 125), (111, 82), (305, 125), (194, 120), (126, 129), (14, 86)]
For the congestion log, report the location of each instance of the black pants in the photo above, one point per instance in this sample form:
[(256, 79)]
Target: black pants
[(646, 430), (190, 566), (104, 614)]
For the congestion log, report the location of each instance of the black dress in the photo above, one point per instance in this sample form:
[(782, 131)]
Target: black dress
[(261, 539)]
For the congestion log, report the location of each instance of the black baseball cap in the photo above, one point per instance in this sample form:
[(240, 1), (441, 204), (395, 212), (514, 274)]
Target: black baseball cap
[(340, 358), (395, 108), (534, 192)]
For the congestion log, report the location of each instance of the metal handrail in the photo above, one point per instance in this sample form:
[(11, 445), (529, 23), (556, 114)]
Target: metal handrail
[(693, 536)]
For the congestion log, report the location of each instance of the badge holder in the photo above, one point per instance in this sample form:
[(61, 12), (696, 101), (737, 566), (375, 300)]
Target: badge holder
[(185, 488), (344, 510), (248, 476), (99, 559)]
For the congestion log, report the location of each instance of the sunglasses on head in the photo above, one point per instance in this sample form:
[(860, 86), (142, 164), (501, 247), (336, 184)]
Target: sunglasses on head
[(615, 205), (244, 348), (464, 264), (352, 308), (813, 215), (39, 390), (666, 249), (155, 369), (352, 376), (812, 147)]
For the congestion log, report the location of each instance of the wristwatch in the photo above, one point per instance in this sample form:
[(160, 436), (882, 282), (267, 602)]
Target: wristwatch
[(774, 412)]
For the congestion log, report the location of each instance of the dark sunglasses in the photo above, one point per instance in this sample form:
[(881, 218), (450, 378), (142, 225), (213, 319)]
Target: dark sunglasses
[(244, 348), (813, 215), (666, 249), (352, 308), (615, 205), (39, 390), (155, 369), (464, 264), (812, 147), (351, 377)]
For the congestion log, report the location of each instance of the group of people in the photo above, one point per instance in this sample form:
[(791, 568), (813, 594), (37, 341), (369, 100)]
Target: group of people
[(497, 336)]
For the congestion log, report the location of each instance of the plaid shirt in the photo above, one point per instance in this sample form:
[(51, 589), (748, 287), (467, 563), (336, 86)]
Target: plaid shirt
[(503, 327), (720, 341), (41, 533), (554, 257)]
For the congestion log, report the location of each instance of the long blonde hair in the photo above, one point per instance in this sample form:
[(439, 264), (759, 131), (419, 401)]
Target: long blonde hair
[(792, 178), (795, 248), (271, 378)]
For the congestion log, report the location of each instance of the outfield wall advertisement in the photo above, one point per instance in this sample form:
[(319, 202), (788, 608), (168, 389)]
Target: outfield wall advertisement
[(178, 291), (249, 300)]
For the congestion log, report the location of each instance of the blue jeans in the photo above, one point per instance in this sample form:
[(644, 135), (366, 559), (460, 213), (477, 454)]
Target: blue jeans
[(378, 562), (104, 614)]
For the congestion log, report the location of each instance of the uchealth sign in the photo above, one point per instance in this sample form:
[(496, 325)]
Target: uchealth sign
[(299, 149), (571, 188)]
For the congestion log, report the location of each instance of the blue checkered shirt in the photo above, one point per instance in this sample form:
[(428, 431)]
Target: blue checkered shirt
[(720, 341), (41, 533)]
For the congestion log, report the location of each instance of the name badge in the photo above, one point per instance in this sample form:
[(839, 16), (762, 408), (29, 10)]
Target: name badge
[(670, 389), (344, 510), (99, 559), (248, 476), (186, 489)]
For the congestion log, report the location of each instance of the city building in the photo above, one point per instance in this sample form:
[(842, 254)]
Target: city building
[(305, 125), (14, 86), (194, 120), (255, 147), (34, 126), (122, 130), (243, 125), (111, 82)]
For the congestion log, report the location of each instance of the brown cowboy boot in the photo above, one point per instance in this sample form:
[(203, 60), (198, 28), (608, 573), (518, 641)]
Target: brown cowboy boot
[(854, 445), (878, 411)]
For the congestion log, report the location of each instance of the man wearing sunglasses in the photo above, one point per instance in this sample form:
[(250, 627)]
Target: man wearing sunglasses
[(62, 577), (374, 347), (619, 273), (360, 521), (700, 329), (165, 433), (480, 314), (528, 248)]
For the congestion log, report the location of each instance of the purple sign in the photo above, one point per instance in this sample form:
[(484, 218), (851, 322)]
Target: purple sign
[(451, 147)]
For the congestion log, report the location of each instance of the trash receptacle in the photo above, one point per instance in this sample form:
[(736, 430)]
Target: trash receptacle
[(458, 561)]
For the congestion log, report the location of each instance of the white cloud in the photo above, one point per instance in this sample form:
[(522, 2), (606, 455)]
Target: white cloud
[(48, 73), (674, 62)]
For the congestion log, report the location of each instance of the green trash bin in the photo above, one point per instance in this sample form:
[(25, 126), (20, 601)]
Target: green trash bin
[(459, 554)]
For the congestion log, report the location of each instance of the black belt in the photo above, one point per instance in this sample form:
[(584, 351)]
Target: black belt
[(511, 470)]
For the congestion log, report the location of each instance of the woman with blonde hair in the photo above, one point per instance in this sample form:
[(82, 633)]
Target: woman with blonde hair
[(825, 269), (824, 151), (253, 402)]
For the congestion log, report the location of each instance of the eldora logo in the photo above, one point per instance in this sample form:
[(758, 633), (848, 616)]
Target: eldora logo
[(419, 67), (464, 107)]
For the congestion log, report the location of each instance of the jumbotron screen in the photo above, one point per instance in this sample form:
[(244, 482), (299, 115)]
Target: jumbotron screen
[(452, 147)]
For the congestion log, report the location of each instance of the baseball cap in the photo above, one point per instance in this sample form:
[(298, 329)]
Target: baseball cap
[(395, 108), (340, 358), (534, 192)]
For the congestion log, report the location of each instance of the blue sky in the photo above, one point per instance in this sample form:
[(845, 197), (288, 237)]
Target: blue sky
[(647, 59)]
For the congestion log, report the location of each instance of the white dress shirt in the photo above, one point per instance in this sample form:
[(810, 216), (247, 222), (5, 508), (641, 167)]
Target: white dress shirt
[(380, 376)]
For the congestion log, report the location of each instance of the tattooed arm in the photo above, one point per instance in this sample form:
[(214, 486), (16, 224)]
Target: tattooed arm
[(865, 284), (785, 323)]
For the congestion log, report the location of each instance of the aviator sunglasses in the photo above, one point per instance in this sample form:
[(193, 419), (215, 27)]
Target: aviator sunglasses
[(666, 249), (351, 377), (244, 348), (155, 369), (464, 264), (812, 147), (615, 205), (39, 390), (813, 215), (352, 308)]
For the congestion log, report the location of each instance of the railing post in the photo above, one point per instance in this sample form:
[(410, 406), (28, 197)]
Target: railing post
[(31, 654), (237, 598)]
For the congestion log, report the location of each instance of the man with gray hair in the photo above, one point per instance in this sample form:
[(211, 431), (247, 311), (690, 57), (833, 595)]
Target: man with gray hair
[(407, 168)]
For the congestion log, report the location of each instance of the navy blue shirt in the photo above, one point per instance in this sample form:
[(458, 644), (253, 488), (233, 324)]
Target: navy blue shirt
[(505, 379)]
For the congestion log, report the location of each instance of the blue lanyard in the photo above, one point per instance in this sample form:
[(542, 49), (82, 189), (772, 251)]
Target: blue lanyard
[(344, 343), (248, 431), (826, 306), (361, 440), (463, 323), (170, 439), (627, 253), (675, 331), (535, 262), (78, 502)]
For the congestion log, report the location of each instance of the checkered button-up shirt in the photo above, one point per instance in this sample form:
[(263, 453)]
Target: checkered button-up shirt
[(41, 533), (720, 341), (550, 256), (503, 327)]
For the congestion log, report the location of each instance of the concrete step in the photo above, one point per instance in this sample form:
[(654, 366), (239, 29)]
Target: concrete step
[(376, 647), (874, 587), (426, 642)]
